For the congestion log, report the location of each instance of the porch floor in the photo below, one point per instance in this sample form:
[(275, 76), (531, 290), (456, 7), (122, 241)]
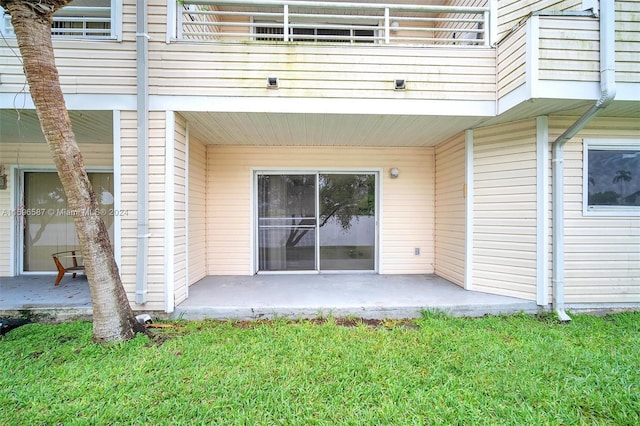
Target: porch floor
[(369, 296)]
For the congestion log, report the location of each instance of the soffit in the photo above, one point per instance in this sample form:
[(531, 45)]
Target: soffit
[(23, 126)]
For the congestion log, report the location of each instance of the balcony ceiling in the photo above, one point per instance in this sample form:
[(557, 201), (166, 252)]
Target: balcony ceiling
[(24, 126), (252, 128)]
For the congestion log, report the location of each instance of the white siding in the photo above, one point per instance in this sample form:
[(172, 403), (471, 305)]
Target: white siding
[(407, 202), (450, 210), (129, 162), (38, 155), (628, 41), (180, 210), (602, 253), (504, 250), (569, 49), (197, 210), (512, 62), (513, 12), (320, 71)]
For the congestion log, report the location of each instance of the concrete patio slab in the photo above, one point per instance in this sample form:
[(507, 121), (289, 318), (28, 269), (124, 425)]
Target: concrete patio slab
[(368, 296), (293, 296)]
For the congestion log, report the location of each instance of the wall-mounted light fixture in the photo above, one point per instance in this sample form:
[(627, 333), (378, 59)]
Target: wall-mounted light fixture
[(3, 178), (395, 25), (400, 84), (394, 173), (272, 82)]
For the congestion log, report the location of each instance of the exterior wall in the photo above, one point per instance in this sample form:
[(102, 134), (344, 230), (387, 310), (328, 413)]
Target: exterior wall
[(28, 155), (179, 194), (129, 203), (318, 71), (504, 205), (602, 253), (627, 41), (569, 49), (512, 12), (450, 210), (197, 210), (407, 203), (85, 67), (512, 62)]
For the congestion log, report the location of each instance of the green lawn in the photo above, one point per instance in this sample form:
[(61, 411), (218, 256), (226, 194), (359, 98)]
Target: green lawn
[(437, 370)]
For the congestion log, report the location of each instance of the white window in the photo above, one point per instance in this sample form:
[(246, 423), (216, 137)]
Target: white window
[(611, 181), (94, 19)]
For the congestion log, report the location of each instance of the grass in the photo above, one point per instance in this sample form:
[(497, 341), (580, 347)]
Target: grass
[(436, 370)]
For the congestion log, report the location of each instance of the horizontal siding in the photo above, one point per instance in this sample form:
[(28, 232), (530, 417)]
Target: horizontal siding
[(197, 210), (407, 204), (227, 69), (504, 203), (129, 202), (450, 210), (602, 253), (36, 155), (569, 49), (628, 41), (513, 12), (180, 210), (512, 62)]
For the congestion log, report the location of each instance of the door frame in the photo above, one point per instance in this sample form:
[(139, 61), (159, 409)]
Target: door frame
[(256, 171), (17, 225)]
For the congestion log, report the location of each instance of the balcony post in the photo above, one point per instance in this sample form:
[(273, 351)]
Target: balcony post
[(285, 30), (386, 26)]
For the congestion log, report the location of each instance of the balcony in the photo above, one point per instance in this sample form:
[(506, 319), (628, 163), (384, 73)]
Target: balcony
[(332, 22)]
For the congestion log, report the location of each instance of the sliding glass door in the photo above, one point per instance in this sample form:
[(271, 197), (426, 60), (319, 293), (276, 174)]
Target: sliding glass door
[(49, 227), (316, 222)]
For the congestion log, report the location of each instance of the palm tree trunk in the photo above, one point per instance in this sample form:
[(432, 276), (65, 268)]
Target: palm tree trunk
[(113, 318)]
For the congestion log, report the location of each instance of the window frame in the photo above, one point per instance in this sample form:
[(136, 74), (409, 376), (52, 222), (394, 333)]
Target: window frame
[(604, 144)]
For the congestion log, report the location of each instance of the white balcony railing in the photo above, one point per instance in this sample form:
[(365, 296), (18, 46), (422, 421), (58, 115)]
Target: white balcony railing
[(331, 22), (73, 21)]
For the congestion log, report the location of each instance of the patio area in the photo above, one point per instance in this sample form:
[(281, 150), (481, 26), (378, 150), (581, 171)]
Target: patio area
[(369, 296)]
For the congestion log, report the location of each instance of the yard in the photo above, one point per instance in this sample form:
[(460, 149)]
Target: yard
[(517, 369)]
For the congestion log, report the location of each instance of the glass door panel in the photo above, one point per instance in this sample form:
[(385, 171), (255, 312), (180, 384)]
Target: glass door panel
[(347, 222), (286, 222), (50, 228)]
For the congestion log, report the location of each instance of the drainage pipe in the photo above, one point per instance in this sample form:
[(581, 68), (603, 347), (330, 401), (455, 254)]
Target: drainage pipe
[(142, 56), (608, 93)]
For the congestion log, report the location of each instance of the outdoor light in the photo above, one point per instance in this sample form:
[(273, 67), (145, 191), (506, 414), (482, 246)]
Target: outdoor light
[(272, 82), (400, 84), (394, 173), (394, 26)]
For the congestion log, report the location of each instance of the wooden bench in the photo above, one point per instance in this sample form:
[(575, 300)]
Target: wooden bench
[(62, 269)]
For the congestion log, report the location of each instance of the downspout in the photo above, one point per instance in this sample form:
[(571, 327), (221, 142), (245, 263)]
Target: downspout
[(142, 55), (608, 93)]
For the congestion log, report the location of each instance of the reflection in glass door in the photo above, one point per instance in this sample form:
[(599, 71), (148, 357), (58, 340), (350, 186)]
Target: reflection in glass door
[(347, 222), (50, 228), (316, 222)]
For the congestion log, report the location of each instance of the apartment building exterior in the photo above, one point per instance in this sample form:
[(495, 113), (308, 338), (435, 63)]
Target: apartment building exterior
[(418, 137)]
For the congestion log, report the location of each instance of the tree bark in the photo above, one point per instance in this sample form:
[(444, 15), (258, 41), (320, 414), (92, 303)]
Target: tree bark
[(113, 318)]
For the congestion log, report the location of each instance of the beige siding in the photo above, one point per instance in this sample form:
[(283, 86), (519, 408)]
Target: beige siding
[(407, 202), (38, 155), (450, 210), (512, 62), (180, 210), (94, 66), (197, 210), (602, 253), (513, 12), (317, 71), (129, 167), (504, 240), (569, 49), (628, 41)]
